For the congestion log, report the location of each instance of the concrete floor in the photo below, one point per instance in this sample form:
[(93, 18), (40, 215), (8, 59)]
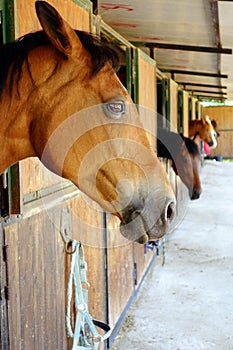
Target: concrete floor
[(188, 303)]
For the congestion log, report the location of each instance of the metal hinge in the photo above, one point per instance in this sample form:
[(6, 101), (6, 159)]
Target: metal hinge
[(135, 274), (4, 253), (6, 292)]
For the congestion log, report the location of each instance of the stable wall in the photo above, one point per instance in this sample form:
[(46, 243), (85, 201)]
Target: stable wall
[(224, 118)]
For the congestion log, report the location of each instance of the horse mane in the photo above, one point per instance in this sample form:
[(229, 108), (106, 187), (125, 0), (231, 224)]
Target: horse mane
[(191, 145), (168, 143), (16, 53)]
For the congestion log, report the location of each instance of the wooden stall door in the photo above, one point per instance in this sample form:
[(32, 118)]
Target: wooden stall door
[(183, 112), (192, 108), (145, 92), (3, 292), (173, 104), (145, 96), (199, 110), (35, 274), (223, 117)]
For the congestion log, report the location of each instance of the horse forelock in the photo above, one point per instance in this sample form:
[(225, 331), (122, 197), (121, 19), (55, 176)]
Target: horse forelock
[(14, 54)]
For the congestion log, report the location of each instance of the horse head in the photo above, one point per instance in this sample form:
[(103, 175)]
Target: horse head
[(204, 129), (190, 158), (82, 124)]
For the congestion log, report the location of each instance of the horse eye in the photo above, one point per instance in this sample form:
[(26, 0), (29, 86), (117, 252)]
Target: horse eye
[(115, 109)]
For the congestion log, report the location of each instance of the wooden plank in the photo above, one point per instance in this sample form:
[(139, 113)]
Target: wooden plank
[(173, 101), (223, 116), (193, 108), (3, 292), (146, 92), (13, 258), (88, 228), (142, 258), (36, 304), (185, 113), (77, 16), (120, 271), (199, 110)]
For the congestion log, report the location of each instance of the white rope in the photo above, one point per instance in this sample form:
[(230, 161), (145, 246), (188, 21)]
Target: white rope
[(69, 292), (77, 279)]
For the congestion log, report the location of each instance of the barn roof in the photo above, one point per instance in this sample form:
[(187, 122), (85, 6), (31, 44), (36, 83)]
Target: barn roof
[(192, 41)]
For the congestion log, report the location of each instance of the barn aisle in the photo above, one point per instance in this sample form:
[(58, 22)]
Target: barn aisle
[(188, 302)]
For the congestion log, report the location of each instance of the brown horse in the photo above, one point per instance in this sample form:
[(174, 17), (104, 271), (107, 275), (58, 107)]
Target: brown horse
[(62, 101), (203, 129), (185, 157)]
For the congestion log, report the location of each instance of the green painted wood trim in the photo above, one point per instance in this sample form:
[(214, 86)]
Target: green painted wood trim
[(7, 7), (168, 103), (84, 4), (146, 58), (114, 37), (128, 71), (15, 198), (136, 75), (139, 54), (180, 123), (190, 106), (164, 97), (87, 6)]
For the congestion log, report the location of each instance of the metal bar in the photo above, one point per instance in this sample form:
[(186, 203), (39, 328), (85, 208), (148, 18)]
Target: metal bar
[(168, 46), (202, 85), (203, 74)]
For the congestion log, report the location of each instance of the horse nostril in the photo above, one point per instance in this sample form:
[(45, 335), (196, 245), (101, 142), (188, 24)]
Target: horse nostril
[(195, 194), (170, 211)]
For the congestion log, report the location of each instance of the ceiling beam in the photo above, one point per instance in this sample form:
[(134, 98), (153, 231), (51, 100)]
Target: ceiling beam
[(209, 49), (187, 72), (203, 97), (208, 92), (202, 85)]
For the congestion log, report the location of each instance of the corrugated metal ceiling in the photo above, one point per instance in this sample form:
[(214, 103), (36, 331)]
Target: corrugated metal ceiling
[(197, 24)]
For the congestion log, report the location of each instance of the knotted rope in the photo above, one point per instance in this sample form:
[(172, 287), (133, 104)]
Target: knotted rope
[(85, 335)]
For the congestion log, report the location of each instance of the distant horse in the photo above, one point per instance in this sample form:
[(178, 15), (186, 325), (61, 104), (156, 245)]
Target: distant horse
[(62, 101), (185, 157), (203, 129)]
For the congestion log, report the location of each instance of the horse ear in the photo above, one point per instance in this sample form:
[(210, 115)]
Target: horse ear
[(207, 119), (58, 31)]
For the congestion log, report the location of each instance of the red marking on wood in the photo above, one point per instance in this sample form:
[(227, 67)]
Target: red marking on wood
[(124, 25), (107, 6), (146, 38)]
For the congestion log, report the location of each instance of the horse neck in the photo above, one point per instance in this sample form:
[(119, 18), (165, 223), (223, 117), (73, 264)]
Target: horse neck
[(197, 140), (167, 144), (14, 132)]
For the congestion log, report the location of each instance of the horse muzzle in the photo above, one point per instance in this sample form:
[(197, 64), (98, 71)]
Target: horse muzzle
[(195, 194), (147, 223)]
